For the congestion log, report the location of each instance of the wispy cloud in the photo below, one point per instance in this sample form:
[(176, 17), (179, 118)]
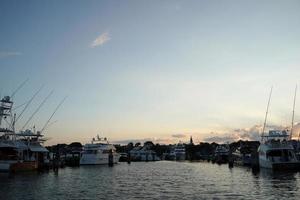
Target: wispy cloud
[(178, 135), (5, 54), (100, 40)]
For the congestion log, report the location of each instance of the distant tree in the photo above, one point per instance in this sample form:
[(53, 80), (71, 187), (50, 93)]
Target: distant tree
[(137, 144), (129, 146), (149, 143), (75, 144)]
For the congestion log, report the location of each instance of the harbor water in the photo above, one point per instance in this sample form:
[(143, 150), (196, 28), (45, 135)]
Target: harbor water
[(152, 180)]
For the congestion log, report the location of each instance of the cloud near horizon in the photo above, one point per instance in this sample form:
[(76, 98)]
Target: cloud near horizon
[(250, 134), (100, 40), (5, 54), (178, 135)]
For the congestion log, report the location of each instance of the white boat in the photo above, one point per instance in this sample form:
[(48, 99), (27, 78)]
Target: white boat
[(143, 154), (98, 152), (178, 152), (276, 152), (243, 155), (222, 153)]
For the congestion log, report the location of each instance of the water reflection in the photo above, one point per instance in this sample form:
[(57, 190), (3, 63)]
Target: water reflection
[(159, 180)]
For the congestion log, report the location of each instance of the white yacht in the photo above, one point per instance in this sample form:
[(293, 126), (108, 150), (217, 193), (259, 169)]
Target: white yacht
[(178, 153), (143, 154), (97, 152), (276, 152)]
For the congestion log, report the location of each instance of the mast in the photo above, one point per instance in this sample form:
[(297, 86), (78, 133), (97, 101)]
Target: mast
[(291, 135), (263, 131)]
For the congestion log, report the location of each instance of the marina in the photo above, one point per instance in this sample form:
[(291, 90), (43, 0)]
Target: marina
[(154, 100)]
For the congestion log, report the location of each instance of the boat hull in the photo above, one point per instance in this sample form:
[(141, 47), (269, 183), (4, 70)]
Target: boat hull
[(15, 166), (24, 166), (6, 165), (97, 159), (279, 165), (180, 156)]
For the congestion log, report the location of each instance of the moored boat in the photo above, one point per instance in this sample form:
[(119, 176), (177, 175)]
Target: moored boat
[(18, 151), (221, 153), (98, 152), (276, 152)]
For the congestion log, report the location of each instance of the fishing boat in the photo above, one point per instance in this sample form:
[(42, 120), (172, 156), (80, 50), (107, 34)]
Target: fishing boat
[(276, 151), (22, 150), (98, 152), (222, 153), (18, 151)]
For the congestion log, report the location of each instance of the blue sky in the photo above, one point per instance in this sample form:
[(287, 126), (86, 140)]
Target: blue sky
[(151, 69)]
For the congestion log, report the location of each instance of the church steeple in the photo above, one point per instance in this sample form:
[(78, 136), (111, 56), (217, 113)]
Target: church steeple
[(191, 140)]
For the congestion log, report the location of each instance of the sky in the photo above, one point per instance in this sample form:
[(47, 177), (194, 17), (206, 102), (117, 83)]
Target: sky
[(151, 70)]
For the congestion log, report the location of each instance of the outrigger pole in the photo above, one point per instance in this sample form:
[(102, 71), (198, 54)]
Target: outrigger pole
[(263, 131), (28, 103), (291, 135), (43, 102), (53, 114), (18, 88)]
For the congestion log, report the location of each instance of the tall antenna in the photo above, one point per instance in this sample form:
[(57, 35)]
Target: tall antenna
[(18, 88), (53, 114), (291, 135), (263, 131), (43, 102)]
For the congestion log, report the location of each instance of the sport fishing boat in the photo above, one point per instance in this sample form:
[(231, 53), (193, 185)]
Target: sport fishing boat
[(276, 150), (98, 152), (18, 151)]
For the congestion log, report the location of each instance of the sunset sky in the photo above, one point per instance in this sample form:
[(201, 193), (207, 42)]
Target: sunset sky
[(159, 70)]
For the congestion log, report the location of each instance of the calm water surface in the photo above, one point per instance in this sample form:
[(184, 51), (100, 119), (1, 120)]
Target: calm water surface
[(152, 180)]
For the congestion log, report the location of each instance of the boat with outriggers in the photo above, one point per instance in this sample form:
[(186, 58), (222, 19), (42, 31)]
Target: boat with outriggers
[(21, 151), (99, 152), (276, 151)]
